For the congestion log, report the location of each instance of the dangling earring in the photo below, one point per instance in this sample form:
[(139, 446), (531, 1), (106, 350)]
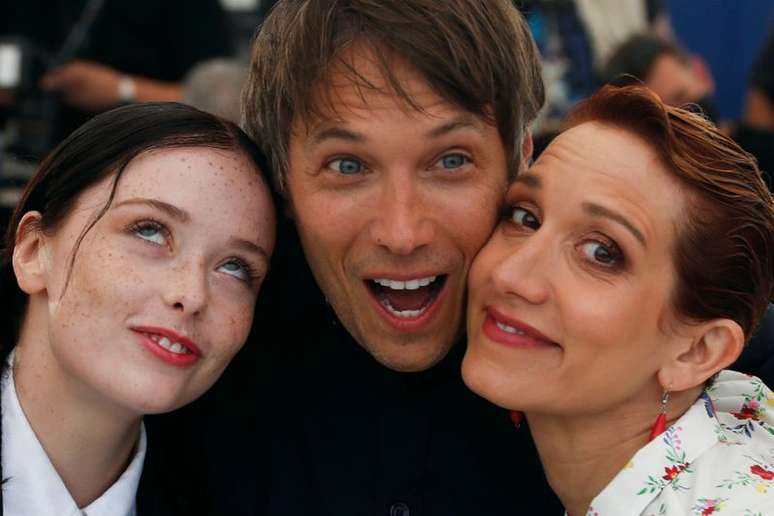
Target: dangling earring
[(516, 417), (660, 426)]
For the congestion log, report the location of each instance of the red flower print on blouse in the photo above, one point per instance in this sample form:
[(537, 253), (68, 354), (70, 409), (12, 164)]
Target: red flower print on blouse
[(765, 474), (749, 410), (672, 472), (711, 507)]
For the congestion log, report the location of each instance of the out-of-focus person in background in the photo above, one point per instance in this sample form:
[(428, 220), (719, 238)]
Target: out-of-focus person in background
[(672, 73), (759, 111), (92, 55), (575, 37), (755, 131), (215, 86), (682, 79), (62, 61)]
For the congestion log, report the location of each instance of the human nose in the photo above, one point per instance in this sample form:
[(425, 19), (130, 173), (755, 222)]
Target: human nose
[(525, 270), (187, 288), (402, 224)]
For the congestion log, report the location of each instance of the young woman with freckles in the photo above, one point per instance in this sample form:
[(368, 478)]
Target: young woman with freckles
[(633, 262), (128, 280)]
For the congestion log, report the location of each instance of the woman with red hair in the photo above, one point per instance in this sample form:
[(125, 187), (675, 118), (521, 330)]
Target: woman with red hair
[(632, 263)]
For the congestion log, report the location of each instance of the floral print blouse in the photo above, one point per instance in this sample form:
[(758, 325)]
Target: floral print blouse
[(718, 458)]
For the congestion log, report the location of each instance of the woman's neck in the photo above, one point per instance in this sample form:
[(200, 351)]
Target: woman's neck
[(88, 439), (582, 454)]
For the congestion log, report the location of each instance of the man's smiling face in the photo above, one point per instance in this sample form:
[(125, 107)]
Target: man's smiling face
[(392, 204)]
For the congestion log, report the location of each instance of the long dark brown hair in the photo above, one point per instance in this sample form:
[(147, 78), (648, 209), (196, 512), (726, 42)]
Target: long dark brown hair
[(101, 148)]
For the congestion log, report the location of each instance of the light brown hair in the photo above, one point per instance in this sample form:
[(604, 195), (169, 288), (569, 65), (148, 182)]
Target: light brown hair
[(477, 55), (724, 250)]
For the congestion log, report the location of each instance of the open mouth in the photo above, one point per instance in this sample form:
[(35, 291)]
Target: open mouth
[(408, 299)]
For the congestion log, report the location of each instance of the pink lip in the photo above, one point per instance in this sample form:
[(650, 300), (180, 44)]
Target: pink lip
[(410, 324), (176, 359), (528, 338)]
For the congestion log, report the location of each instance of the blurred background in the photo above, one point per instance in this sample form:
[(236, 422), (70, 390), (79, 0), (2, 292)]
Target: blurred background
[(62, 61)]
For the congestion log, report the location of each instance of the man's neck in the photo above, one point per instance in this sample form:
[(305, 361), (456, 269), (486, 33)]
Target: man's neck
[(582, 454), (88, 440)]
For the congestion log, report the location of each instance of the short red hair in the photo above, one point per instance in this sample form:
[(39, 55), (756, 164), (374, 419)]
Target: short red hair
[(724, 251)]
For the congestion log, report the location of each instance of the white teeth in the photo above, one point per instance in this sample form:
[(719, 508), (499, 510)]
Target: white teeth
[(423, 282), (164, 342), (397, 285), (509, 329), (405, 314), (405, 285)]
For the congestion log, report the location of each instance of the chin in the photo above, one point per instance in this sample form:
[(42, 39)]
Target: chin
[(159, 404), (154, 396), (409, 357), (486, 381)]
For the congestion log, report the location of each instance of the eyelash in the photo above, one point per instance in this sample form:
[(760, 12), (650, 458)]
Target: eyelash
[(139, 225), (614, 250), (363, 166), (135, 227), (251, 275)]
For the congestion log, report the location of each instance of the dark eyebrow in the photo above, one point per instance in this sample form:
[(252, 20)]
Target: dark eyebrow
[(528, 180), (169, 209), (464, 121), (250, 247), (596, 210)]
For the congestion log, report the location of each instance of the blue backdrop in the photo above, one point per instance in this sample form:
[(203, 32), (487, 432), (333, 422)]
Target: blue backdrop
[(729, 35)]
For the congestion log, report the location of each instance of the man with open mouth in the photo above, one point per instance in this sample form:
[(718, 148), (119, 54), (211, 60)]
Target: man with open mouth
[(393, 128)]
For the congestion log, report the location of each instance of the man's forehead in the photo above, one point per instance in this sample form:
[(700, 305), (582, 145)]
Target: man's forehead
[(363, 80)]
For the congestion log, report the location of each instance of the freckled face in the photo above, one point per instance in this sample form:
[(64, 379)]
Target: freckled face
[(392, 205), (569, 306), (180, 252)]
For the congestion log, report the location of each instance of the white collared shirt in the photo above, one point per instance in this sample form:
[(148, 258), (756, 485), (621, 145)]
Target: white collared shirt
[(33, 486), (718, 458)]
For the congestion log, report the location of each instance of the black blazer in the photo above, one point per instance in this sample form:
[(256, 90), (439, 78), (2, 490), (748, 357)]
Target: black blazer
[(165, 487)]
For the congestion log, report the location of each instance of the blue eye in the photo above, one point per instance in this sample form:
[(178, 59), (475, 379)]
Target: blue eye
[(452, 161), (237, 269), (150, 231), (525, 218), (602, 254), (346, 166)]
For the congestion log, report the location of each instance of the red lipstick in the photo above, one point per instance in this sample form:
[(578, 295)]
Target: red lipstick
[(511, 332), (149, 336)]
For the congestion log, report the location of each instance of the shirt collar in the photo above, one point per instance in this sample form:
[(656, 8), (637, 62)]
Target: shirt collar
[(34, 487), (657, 465)]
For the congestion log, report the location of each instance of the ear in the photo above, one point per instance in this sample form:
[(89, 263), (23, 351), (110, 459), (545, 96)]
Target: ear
[(713, 346), (27, 254), (527, 148)]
